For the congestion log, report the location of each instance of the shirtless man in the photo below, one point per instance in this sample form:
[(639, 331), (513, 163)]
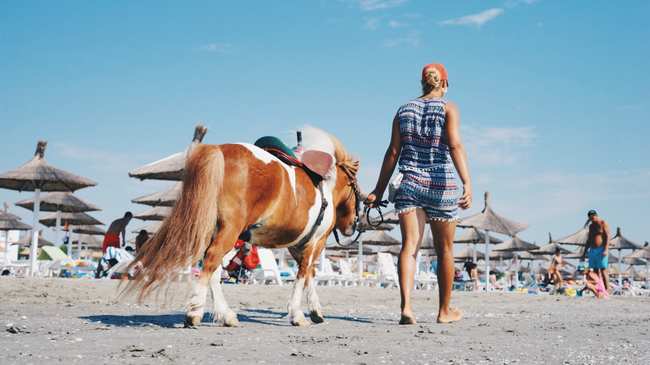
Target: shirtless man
[(112, 236), (598, 246)]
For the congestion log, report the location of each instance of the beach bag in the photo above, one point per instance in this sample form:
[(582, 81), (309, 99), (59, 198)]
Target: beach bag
[(393, 186)]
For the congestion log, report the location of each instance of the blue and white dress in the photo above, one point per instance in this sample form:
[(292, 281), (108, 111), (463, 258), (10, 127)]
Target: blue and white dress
[(430, 179)]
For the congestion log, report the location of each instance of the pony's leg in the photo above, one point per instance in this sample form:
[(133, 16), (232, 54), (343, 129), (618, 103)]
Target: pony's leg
[(222, 312), (294, 309), (315, 309), (223, 242)]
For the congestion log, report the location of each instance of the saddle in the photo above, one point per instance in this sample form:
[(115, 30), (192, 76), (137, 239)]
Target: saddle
[(315, 163)]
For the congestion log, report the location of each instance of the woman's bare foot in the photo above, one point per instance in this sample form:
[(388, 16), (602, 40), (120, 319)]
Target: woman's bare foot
[(452, 315), (407, 318)]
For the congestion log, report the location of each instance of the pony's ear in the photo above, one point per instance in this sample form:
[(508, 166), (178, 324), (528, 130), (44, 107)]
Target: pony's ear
[(318, 161)]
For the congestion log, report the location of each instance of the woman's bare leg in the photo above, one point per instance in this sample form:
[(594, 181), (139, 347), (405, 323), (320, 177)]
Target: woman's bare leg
[(412, 227), (443, 239)]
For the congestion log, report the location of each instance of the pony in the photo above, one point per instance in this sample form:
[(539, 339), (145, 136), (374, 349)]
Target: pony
[(235, 190)]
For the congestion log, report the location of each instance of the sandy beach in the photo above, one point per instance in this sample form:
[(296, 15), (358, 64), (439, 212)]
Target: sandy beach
[(81, 321)]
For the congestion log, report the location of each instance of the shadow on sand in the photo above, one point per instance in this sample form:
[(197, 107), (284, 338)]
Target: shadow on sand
[(260, 316)]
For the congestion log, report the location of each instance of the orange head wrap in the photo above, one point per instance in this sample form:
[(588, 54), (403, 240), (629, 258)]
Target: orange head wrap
[(441, 68)]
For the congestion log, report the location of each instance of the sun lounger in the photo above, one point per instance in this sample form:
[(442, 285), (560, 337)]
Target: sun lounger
[(387, 273), (269, 271)]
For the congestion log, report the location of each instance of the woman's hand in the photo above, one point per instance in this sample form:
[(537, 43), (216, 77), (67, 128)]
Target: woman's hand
[(372, 199), (465, 201)]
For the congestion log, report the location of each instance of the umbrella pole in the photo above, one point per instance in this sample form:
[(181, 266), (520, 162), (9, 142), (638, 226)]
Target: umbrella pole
[(487, 260), (620, 268), (57, 227), (7, 247), (69, 243), (33, 263), (360, 260), (474, 252)]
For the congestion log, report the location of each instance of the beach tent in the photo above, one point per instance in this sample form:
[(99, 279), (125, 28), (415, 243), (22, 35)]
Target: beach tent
[(38, 176), (489, 221)]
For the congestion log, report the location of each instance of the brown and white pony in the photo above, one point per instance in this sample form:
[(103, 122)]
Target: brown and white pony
[(233, 188)]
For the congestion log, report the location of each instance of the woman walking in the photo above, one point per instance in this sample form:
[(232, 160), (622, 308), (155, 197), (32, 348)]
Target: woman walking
[(426, 141)]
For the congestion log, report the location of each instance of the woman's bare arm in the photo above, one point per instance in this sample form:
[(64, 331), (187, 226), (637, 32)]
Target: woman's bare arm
[(390, 160), (458, 154)]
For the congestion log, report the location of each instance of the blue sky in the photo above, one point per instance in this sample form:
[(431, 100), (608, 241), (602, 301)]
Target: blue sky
[(553, 94)]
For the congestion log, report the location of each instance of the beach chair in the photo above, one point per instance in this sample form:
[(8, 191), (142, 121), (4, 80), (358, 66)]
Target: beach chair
[(327, 275), (348, 278), (268, 270), (426, 280), (387, 272)]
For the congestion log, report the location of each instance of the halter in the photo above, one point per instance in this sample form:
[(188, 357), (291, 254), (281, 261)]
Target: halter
[(353, 184)]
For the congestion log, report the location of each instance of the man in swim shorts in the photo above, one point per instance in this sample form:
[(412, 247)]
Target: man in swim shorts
[(598, 246), (117, 227)]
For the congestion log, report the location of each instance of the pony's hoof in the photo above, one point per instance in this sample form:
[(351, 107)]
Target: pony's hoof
[(230, 320), (300, 322), (192, 322), (316, 317)]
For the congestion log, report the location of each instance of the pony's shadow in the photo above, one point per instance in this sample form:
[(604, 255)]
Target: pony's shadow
[(284, 314)]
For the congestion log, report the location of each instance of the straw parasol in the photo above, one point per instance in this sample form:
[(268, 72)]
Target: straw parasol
[(374, 238), (10, 222), (514, 245), (466, 254), (579, 238), (26, 241), (151, 228), (165, 198), (489, 221), (154, 214), (71, 219), (620, 243), (89, 229), (60, 202), (38, 176), (170, 167)]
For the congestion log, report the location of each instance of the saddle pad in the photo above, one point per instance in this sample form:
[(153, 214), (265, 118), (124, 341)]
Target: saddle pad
[(318, 161)]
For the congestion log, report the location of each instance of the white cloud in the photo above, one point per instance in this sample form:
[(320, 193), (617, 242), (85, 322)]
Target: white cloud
[(220, 48), (493, 146), (476, 20), (412, 40), (371, 5), (395, 24), (371, 23)]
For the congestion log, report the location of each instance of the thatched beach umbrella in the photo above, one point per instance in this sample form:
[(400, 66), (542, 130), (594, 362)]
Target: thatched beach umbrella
[(165, 198), (489, 221), (373, 238), (576, 239), (154, 214), (468, 253), (170, 167), (92, 230), (150, 228), (10, 222), (473, 236), (60, 202), (26, 241), (38, 176), (90, 242), (69, 219), (620, 243)]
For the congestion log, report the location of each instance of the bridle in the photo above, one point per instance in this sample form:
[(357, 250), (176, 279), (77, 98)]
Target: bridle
[(358, 200)]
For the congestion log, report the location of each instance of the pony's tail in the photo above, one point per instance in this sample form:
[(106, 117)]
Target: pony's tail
[(183, 237)]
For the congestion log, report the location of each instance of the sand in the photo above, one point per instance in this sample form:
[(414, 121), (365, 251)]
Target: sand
[(50, 321)]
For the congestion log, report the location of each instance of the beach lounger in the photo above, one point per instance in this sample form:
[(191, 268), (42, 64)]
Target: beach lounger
[(387, 273), (268, 270)]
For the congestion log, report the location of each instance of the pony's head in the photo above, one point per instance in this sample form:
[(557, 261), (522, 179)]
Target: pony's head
[(346, 194)]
